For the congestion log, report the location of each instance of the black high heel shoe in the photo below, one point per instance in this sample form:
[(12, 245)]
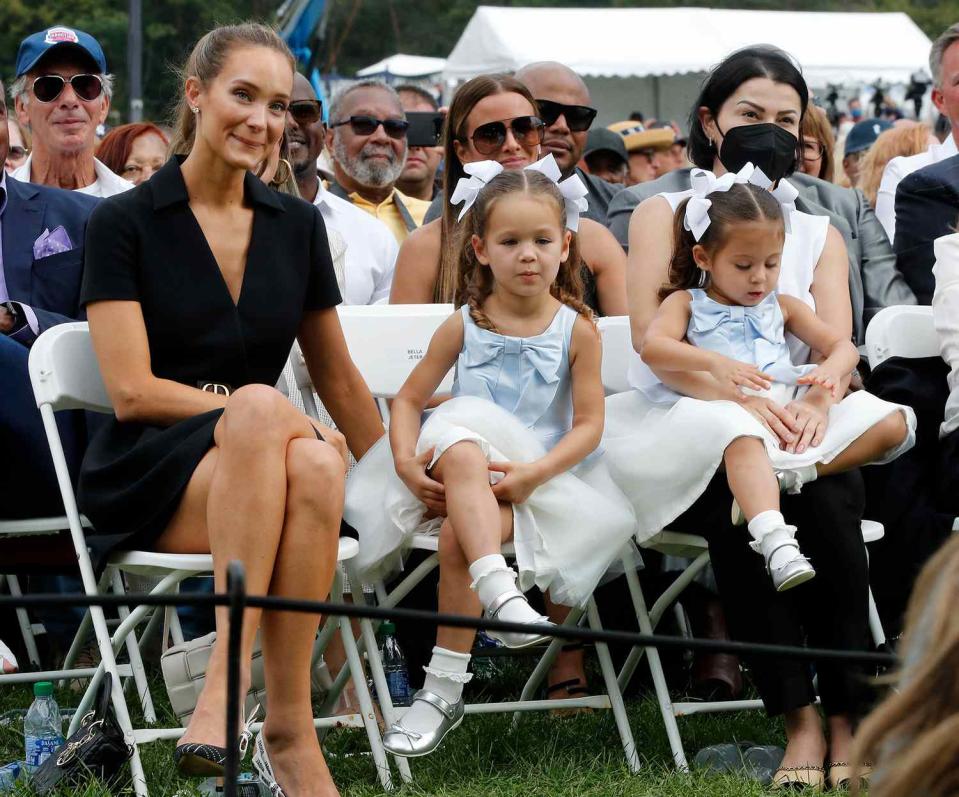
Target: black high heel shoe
[(196, 760)]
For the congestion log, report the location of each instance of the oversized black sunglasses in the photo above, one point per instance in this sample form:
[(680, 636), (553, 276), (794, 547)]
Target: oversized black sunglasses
[(366, 126), (47, 88), (306, 112), (578, 117), (529, 131)]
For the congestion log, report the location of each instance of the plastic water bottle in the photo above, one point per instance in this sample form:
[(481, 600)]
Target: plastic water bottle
[(42, 727), (394, 666), (9, 774)]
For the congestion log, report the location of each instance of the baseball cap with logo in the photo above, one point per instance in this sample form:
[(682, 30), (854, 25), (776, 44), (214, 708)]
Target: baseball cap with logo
[(37, 45), (864, 134)]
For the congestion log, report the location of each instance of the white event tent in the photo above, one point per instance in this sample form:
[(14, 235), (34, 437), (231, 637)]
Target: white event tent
[(404, 66), (653, 59)]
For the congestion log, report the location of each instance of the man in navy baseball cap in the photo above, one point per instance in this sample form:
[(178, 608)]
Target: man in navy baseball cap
[(858, 141), (36, 46), (62, 92)]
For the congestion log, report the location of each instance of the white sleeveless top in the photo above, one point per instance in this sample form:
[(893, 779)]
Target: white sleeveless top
[(801, 253)]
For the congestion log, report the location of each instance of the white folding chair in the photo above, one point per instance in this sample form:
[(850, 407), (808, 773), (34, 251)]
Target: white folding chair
[(65, 375), (901, 331), (617, 353), (386, 342)]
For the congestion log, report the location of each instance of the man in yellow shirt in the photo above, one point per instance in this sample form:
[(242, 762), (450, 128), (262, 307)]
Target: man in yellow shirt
[(367, 140)]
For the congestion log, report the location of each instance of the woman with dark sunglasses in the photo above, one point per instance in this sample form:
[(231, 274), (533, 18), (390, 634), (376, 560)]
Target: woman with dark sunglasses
[(494, 117)]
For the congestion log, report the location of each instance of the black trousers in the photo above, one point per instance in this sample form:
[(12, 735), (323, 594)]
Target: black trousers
[(830, 611)]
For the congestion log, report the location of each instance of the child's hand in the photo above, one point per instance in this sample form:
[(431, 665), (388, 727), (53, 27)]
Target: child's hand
[(520, 481), (730, 372), (412, 470), (776, 418), (822, 377)]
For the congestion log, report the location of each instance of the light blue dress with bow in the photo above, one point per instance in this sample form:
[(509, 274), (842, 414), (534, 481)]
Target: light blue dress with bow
[(512, 397), (755, 335), (528, 377)]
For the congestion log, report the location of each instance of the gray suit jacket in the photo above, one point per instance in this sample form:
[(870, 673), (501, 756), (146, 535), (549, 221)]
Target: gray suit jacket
[(874, 281)]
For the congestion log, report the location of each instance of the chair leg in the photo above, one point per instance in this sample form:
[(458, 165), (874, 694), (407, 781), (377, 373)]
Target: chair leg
[(26, 628), (545, 662), (612, 691), (84, 630), (656, 670), (875, 624), (354, 666), (136, 660), (376, 670)]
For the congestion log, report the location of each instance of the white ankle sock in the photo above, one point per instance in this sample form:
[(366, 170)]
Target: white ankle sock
[(769, 530), (792, 480), (491, 578), (446, 674)]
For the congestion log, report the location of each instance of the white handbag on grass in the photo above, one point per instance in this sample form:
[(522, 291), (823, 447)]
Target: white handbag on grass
[(184, 673)]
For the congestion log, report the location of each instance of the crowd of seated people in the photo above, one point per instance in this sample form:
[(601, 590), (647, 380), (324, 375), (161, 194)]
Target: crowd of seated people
[(533, 220)]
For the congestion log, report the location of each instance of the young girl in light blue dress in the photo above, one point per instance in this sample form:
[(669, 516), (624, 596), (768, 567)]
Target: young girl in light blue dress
[(721, 314), (513, 455)]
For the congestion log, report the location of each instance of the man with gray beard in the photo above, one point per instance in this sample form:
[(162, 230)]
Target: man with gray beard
[(367, 141)]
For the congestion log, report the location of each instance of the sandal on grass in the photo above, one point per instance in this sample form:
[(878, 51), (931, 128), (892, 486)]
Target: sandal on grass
[(574, 687)]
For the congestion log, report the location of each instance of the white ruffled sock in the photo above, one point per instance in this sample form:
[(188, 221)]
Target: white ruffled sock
[(769, 530), (491, 578), (446, 674)]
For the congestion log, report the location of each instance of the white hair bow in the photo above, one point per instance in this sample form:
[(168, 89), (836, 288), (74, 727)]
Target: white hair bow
[(704, 182), (573, 189), (467, 188)]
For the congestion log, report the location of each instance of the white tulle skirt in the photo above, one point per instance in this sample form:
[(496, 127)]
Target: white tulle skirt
[(662, 456), (566, 535)]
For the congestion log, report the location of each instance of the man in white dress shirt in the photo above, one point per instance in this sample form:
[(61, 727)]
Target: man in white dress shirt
[(944, 66), (370, 246), (62, 92)]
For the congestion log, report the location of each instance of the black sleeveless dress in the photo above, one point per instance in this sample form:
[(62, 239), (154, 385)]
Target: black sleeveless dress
[(145, 245)]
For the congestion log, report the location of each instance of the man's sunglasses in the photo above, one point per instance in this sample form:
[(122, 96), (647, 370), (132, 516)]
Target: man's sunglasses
[(15, 153), (529, 131), (578, 117), (306, 112), (47, 88), (366, 126)]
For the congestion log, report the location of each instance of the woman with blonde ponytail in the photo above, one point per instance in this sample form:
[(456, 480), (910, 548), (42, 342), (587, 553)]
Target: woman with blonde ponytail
[(196, 284)]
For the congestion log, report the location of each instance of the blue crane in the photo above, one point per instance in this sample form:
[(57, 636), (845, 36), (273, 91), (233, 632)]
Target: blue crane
[(302, 24)]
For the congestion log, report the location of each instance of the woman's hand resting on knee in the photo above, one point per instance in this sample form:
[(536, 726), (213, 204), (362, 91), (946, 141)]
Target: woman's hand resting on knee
[(776, 418)]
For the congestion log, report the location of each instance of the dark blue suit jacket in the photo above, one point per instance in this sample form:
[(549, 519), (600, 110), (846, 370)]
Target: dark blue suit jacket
[(51, 285), (927, 207)]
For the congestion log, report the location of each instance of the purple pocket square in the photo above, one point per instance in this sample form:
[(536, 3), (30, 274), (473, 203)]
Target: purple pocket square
[(52, 243)]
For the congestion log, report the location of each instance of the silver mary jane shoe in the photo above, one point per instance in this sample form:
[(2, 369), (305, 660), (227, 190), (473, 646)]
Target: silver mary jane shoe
[(411, 744), (513, 639), (263, 767), (796, 571)]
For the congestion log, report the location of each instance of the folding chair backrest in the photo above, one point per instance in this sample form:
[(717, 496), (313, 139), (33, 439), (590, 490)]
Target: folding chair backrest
[(64, 371), (901, 331), (617, 352), (386, 341)]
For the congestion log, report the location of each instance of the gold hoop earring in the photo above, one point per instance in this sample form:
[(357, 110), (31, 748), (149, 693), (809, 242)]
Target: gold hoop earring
[(283, 172)]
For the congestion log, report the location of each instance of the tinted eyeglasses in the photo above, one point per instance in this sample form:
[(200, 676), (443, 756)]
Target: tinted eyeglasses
[(578, 117), (366, 126), (47, 88), (529, 131), (16, 153), (305, 112)]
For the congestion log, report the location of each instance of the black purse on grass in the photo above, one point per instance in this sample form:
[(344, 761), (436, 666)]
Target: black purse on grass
[(96, 750)]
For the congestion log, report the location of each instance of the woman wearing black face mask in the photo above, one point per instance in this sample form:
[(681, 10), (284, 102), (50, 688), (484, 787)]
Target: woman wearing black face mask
[(750, 110)]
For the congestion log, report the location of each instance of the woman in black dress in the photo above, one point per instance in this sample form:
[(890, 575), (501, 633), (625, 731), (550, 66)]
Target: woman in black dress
[(196, 284)]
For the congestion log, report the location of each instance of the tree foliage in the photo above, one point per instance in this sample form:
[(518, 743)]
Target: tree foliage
[(358, 32)]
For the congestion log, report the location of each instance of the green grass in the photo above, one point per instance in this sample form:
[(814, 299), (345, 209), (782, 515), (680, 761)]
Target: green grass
[(574, 757)]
